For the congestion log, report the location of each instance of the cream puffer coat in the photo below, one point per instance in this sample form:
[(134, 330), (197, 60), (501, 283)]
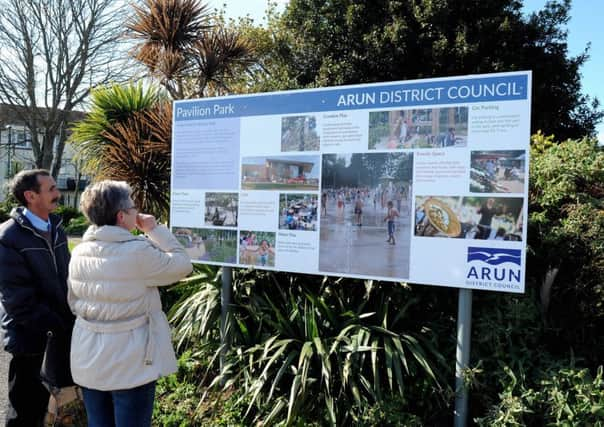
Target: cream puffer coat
[(121, 338)]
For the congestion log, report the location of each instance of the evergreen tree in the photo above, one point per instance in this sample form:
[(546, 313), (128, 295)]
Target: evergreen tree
[(318, 43)]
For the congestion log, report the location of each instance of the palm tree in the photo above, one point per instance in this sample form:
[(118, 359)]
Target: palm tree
[(138, 152), (127, 134), (189, 52), (126, 137), (110, 105)]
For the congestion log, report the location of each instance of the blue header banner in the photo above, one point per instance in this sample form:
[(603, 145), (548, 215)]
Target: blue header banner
[(487, 88)]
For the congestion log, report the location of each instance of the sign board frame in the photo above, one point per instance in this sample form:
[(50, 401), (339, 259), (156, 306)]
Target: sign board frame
[(275, 180)]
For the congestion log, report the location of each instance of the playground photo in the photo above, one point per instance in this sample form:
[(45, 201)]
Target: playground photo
[(206, 244), (280, 173), (257, 248), (299, 133), (418, 128), (221, 209), (364, 214), (498, 171), (485, 218), (298, 211)]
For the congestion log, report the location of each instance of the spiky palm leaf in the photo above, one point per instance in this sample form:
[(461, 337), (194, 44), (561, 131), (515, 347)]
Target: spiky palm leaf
[(217, 57), (110, 105), (195, 316), (166, 26), (302, 349), (191, 52), (138, 151), (167, 30)]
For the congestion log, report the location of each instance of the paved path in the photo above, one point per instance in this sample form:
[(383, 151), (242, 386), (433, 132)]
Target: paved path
[(4, 361)]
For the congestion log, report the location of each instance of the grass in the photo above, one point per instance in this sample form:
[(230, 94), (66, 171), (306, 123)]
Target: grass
[(72, 242)]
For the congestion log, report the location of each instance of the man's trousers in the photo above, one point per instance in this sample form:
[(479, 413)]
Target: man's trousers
[(28, 398)]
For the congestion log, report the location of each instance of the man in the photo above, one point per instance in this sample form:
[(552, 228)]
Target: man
[(34, 262), (487, 211), (450, 139)]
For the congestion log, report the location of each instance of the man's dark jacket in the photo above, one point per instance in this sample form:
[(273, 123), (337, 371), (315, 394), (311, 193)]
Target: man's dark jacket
[(33, 284)]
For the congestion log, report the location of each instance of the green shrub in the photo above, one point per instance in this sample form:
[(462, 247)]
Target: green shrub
[(388, 413), (566, 244), (176, 396), (6, 206), (4, 212), (77, 226), (308, 352), (572, 397), (67, 213), (563, 397)]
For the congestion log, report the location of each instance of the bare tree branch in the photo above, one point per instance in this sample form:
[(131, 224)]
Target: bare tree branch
[(54, 52)]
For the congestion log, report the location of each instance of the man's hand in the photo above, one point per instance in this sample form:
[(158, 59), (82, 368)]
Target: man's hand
[(145, 222)]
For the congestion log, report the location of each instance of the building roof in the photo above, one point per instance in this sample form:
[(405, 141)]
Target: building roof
[(306, 166), (14, 114)]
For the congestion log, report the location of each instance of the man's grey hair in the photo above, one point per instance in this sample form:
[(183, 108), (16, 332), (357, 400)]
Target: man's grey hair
[(102, 200)]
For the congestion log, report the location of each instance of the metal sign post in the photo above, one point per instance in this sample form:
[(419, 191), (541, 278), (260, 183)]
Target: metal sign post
[(462, 355), (225, 304)]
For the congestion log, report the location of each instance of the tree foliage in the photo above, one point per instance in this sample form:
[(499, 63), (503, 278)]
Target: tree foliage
[(566, 226), (127, 136), (317, 43), (188, 49), (53, 52)]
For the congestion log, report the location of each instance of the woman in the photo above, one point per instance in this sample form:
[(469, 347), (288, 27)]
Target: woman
[(121, 339)]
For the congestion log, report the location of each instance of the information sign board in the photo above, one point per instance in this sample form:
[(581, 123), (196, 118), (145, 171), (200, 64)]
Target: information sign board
[(424, 181)]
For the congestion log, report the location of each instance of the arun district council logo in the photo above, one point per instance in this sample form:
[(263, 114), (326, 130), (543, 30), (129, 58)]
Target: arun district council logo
[(494, 268)]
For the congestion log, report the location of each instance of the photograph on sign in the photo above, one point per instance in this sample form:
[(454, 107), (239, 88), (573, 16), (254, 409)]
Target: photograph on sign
[(497, 171), (486, 218), (257, 248), (366, 213), (222, 209), (372, 181), (418, 128), (298, 211), (206, 244), (280, 173), (299, 133)]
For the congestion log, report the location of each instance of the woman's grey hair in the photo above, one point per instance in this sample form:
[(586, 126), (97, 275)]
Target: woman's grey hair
[(102, 200)]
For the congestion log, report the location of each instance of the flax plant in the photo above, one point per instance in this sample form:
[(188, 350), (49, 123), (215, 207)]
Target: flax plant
[(303, 351)]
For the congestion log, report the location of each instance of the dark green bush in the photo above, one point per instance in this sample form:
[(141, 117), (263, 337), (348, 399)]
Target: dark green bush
[(388, 413), (77, 226), (67, 213), (6, 206), (4, 212), (561, 397), (307, 349), (176, 396)]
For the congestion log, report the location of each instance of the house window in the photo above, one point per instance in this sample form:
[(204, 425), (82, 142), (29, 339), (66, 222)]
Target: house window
[(21, 137)]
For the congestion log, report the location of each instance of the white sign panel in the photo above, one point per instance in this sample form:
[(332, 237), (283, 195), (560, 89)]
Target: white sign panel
[(424, 181)]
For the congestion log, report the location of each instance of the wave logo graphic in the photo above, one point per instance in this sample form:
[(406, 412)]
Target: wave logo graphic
[(494, 256)]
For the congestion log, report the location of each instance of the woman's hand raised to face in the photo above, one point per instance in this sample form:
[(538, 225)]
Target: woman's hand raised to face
[(145, 222)]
